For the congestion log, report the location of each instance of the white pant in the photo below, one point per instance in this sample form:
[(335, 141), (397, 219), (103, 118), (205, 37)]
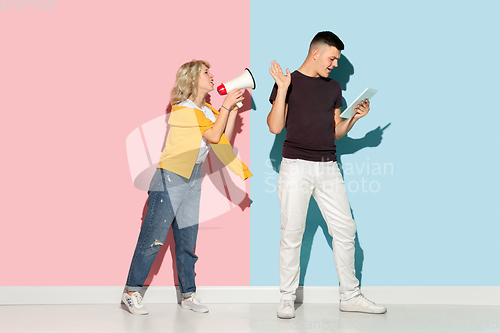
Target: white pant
[(298, 180)]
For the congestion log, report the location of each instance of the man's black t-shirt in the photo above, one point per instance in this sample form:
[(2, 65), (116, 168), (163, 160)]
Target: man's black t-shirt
[(309, 124)]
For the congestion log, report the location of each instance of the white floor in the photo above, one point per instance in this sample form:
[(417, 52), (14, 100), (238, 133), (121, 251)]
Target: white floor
[(253, 318)]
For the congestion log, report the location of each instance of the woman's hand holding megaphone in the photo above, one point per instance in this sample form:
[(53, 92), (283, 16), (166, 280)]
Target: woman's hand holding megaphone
[(224, 124), (233, 97)]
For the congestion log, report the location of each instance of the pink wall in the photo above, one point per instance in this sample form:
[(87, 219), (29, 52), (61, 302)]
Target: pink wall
[(74, 83)]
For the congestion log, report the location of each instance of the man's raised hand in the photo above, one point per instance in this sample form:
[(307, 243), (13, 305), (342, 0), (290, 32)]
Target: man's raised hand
[(282, 80)]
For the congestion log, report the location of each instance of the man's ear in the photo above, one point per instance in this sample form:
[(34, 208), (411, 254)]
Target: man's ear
[(315, 54)]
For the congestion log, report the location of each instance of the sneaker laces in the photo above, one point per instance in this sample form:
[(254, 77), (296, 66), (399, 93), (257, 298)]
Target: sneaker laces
[(194, 299), (366, 299), (287, 303), (138, 299)]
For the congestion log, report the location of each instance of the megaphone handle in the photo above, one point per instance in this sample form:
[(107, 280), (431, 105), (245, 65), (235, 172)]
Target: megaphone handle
[(239, 104)]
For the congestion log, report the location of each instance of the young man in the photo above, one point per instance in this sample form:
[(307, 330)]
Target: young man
[(308, 103)]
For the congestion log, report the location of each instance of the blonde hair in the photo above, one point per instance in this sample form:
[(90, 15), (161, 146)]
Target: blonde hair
[(186, 81)]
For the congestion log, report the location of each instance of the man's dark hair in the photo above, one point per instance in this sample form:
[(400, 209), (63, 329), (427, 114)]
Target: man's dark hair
[(329, 38)]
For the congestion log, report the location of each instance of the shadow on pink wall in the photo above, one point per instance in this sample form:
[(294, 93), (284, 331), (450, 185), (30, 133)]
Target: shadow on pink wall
[(217, 178)]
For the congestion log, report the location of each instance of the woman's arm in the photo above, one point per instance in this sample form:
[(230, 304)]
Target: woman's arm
[(214, 133), (231, 120)]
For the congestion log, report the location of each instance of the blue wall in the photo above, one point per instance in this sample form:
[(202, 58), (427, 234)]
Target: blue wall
[(424, 191)]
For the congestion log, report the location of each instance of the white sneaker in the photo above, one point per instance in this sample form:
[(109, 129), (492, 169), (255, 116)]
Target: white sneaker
[(361, 304), (286, 309), (134, 303), (193, 303)]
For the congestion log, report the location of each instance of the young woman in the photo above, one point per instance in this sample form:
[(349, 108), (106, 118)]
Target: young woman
[(175, 189)]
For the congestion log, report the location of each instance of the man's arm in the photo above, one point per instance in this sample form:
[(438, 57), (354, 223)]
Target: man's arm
[(277, 117), (342, 127)]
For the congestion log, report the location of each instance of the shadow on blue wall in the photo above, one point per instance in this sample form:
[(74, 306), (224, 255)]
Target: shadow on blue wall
[(345, 146)]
